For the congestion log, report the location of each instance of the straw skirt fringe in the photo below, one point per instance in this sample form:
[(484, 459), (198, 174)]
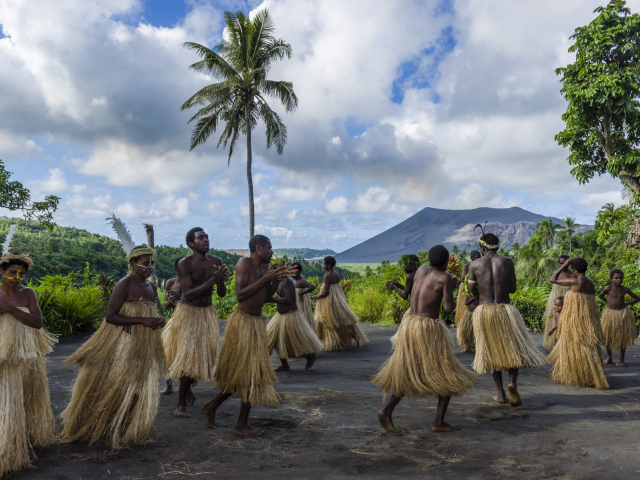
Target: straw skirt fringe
[(115, 395), (550, 316), (464, 332), (191, 342), (337, 324), (577, 357), (422, 363), (26, 417), (244, 366), (291, 336), (618, 328), (460, 306), (304, 304), (502, 340)]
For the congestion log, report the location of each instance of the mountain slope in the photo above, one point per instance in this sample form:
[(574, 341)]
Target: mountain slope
[(433, 226)]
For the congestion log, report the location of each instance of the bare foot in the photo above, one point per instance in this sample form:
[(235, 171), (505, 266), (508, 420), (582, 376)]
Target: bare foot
[(282, 368), (446, 427), (247, 431), (514, 396), (386, 422), (191, 398), (211, 415), (181, 412), (168, 390), (607, 361), (621, 364), (311, 359), (500, 399)]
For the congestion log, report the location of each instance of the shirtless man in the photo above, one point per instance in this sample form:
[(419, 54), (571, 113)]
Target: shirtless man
[(244, 366), (172, 295), (423, 363), (192, 336), (618, 323), (410, 266), (502, 340)]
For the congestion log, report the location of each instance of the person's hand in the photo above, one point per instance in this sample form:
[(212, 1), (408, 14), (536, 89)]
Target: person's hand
[(160, 322), (567, 262), (552, 330), (221, 274), (5, 307), (389, 285), (149, 322), (277, 273)]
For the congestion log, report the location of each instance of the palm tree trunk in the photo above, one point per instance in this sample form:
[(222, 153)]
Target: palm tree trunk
[(569, 242), (249, 177)]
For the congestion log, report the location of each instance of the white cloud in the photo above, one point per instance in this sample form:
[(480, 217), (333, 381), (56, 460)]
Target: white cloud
[(273, 231), (337, 205), (54, 183)]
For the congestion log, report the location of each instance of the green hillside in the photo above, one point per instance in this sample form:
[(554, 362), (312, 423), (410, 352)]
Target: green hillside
[(303, 252), (66, 249)]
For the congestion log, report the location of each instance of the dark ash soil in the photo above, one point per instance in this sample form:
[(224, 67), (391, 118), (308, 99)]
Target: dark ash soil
[(326, 427)]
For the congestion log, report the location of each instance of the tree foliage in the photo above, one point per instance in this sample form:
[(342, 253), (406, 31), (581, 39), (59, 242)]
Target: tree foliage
[(602, 87)]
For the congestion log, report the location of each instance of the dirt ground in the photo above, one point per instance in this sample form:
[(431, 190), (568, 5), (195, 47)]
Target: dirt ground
[(326, 428)]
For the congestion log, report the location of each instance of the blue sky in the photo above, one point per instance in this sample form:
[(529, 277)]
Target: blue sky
[(403, 105)]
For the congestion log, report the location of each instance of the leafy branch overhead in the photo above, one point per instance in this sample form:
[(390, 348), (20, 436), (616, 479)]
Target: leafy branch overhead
[(14, 196), (602, 87)]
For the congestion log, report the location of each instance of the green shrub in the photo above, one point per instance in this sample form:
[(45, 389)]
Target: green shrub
[(68, 310), (532, 311)]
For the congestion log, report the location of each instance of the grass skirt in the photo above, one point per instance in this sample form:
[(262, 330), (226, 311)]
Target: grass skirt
[(191, 342), (576, 357), (337, 324), (422, 363), (244, 366), (464, 332), (460, 306), (291, 335), (502, 340), (115, 395), (304, 305), (618, 328), (550, 315), (26, 417)]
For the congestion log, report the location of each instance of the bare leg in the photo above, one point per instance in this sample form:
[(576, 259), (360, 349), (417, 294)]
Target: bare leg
[(168, 389), (621, 361), (497, 379), (384, 415), (310, 361), (181, 409), (440, 425), (242, 425), (514, 396), (284, 367), (209, 409), (607, 360), (191, 398)]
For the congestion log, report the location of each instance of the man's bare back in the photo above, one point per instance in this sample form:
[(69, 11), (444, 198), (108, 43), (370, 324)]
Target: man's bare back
[(495, 278), (429, 288), (287, 290)]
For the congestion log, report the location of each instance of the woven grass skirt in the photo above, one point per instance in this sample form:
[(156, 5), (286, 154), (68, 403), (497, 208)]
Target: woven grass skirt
[(422, 363), (618, 328), (502, 340), (291, 336), (115, 394), (550, 316), (337, 325), (244, 366), (577, 357), (304, 305), (464, 332), (191, 342), (26, 417)]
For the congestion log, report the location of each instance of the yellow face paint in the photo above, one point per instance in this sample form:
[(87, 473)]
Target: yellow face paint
[(19, 275)]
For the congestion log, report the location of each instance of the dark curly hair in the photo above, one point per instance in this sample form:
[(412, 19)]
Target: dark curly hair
[(330, 261), (579, 265), (438, 256)]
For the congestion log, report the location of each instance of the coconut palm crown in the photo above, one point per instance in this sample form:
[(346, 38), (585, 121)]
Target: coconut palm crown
[(241, 61)]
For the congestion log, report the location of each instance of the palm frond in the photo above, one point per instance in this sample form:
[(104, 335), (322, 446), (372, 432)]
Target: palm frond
[(216, 92), (276, 129), (211, 63), (283, 91)]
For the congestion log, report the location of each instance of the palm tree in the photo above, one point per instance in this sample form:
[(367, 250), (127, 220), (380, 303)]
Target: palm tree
[(535, 261), (242, 62), (546, 230), (569, 226)]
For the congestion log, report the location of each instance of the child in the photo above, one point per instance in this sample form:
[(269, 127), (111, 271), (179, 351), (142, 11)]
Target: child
[(618, 324), (558, 303)]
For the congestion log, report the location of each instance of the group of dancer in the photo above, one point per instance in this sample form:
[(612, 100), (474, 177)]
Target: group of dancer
[(115, 395)]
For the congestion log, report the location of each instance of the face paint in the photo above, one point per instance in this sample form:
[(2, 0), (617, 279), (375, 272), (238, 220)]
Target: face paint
[(146, 268), (19, 275)]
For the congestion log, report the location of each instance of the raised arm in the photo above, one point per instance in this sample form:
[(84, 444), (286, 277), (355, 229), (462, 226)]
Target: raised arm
[(118, 297), (244, 291), (32, 318), (308, 288), (221, 287), (565, 282), (449, 302), (603, 294), (635, 298)]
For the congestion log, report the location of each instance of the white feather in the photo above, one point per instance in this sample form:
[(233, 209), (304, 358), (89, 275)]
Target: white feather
[(7, 242), (121, 231)]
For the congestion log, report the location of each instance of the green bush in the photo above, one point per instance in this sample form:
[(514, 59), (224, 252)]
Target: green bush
[(532, 312), (68, 310)]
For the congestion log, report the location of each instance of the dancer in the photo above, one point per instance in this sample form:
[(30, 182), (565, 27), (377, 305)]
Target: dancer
[(502, 341), (464, 312), (558, 303), (115, 395), (410, 264), (422, 363), (244, 366), (337, 324), (303, 289), (576, 357), (618, 323), (549, 313), (172, 295), (191, 337), (26, 417), (288, 332)]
